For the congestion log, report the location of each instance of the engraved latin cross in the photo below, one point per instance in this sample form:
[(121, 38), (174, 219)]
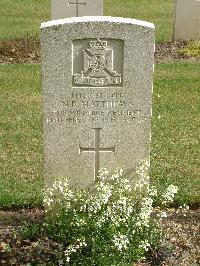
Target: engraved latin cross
[(77, 3), (96, 151)]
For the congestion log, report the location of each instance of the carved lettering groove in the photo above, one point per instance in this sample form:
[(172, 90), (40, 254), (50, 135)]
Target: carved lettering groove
[(97, 107)]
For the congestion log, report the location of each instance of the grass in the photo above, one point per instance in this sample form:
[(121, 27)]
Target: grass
[(175, 152), (20, 18), (175, 142), (160, 12), (20, 136)]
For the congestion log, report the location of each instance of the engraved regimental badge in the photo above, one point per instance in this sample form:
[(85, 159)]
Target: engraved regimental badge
[(97, 66)]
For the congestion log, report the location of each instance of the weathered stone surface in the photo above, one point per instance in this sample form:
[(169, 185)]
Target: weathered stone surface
[(187, 20), (76, 8), (97, 89)]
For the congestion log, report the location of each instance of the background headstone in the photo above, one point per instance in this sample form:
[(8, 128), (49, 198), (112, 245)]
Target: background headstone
[(97, 89), (187, 20), (76, 8)]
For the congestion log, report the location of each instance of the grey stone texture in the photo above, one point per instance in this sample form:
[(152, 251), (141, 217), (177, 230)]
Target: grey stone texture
[(97, 96), (76, 8), (186, 20)]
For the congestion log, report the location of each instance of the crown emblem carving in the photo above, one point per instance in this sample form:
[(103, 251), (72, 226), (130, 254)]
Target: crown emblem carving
[(98, 69), (98, 44)]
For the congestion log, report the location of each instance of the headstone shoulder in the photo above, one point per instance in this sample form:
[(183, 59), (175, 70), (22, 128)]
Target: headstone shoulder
[(97, 91)]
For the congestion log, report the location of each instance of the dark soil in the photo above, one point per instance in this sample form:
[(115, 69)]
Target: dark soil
[(181, 230), (28, 51), (20, 51), (171, 51)]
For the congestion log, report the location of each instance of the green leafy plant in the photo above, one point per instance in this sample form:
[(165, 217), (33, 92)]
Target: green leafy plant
[(192, 49), (110, 223), (31, 231)]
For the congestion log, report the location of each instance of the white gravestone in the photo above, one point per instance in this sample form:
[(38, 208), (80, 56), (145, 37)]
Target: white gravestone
[(187, 20), (97, 90), (76, 8)]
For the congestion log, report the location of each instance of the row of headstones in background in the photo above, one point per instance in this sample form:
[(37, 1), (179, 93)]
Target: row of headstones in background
[(187, 20), (97, 90), (76, 8), (186, 15)]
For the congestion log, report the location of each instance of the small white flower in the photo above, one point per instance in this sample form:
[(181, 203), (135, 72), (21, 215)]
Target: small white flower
[(153, 191), (120, 242), (67, 259), (168, 196), (103, 173), (145, 245), (163, 214)]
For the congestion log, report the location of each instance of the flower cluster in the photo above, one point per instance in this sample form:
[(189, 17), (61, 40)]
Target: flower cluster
[(110, 222), (142, 171), (58, 196), (73, 248), (145, 213), (121, 242), (168, 196)]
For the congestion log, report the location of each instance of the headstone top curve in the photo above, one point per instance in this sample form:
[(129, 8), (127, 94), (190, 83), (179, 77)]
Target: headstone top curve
[(97, 77), (52, 23)]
